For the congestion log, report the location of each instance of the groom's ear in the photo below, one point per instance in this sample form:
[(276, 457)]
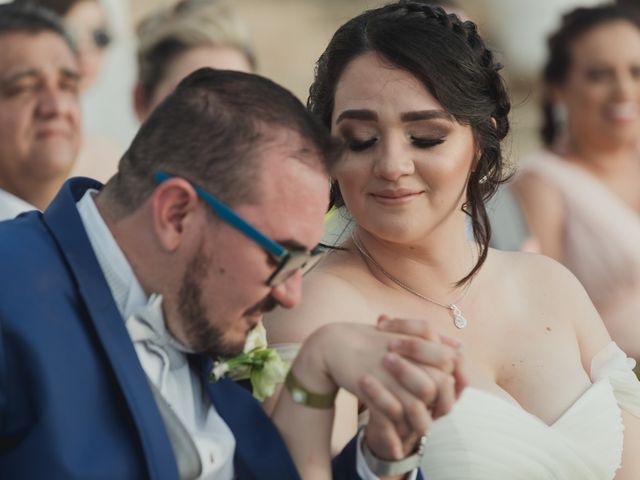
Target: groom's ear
[(174, 205)]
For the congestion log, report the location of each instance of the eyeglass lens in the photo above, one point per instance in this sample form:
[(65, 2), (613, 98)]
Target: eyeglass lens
[(294, 262)]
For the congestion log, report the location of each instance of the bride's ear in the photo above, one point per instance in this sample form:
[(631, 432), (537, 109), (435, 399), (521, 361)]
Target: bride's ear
[(478, 154)]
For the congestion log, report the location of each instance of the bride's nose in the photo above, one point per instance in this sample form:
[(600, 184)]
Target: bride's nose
[(393, 160)]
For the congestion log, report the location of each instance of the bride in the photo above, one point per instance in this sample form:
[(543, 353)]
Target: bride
[(418, 102)]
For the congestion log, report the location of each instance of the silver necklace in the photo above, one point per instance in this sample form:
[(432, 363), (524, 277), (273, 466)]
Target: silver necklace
[(458, 319)]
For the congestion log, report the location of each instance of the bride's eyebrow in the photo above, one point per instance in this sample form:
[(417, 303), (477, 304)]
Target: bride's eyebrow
[(363, 114), (425, 115), (371, 116)]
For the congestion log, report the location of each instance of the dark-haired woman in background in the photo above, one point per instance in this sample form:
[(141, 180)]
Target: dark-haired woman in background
[(417, 99), (581, 196)]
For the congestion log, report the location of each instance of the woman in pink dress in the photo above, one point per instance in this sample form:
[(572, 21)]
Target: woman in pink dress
[(581, 195)]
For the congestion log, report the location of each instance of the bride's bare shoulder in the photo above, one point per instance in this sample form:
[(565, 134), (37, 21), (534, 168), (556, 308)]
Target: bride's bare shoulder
[(531, 277), (544, 288), (525, 265), (332, 292)]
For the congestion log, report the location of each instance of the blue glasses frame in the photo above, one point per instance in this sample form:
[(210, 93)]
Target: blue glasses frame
[(288, 262)]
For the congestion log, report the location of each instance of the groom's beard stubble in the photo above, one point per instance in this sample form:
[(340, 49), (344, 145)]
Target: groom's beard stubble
[(203, 336)]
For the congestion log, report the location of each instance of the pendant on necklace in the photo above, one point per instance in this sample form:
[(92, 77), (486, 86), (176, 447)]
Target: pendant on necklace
[(458, 319)]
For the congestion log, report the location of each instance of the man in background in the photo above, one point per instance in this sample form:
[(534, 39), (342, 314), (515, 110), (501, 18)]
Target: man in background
[(39, 108)]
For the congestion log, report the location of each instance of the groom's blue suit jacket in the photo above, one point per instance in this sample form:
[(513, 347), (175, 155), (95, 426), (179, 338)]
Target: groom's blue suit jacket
[(74, 399)]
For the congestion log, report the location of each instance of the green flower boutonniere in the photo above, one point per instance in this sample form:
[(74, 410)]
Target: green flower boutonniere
[(258, 363)]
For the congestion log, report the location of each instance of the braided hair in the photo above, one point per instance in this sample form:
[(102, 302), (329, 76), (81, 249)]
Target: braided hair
[(451, 60), (574, 25)]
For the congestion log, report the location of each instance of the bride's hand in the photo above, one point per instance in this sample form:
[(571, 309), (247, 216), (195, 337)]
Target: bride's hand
[(429, 358), (393, 436)]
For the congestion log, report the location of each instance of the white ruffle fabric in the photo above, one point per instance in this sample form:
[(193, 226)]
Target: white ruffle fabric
[(487, 437), (287, 351)]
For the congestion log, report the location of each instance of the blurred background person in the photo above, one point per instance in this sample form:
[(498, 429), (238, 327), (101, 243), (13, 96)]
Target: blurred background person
[(39, 108), (581, 194), (86, 22), (174, 42)]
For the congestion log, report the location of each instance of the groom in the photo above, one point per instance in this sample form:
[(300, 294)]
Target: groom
[(113, 301)]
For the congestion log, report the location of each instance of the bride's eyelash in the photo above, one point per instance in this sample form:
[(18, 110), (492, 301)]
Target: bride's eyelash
[(360, 145), (420, 142)]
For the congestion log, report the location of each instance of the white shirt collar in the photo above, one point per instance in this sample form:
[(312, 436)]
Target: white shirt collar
[(127, 292), (12, 206), (125, 288)]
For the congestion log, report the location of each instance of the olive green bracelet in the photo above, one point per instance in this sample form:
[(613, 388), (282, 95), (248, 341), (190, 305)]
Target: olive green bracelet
[(302, 396)]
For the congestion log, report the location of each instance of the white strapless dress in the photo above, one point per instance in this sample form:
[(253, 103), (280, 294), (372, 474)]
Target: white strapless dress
[(486, 437)]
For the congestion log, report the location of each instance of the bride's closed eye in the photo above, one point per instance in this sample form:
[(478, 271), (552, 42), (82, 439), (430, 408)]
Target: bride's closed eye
[(427, 135), (357, 140), (422, 142), (356, 145), (361, 139)]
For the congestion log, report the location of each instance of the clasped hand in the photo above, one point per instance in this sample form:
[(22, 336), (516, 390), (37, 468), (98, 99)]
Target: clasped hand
[(405, 373)]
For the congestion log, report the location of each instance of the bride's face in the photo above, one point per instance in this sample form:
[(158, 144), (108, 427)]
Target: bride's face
[(407, 160)]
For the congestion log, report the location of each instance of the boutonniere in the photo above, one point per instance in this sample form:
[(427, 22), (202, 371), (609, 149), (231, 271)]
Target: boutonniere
[(258, 363)]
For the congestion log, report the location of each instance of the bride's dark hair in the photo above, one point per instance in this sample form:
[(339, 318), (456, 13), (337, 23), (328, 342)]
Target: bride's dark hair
[(450, 58)]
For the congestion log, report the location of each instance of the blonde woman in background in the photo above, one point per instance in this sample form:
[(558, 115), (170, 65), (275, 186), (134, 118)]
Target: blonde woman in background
[(581, 195), (174, 42)]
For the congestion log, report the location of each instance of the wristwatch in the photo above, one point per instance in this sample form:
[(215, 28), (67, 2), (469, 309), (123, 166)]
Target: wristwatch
[(383, 468)]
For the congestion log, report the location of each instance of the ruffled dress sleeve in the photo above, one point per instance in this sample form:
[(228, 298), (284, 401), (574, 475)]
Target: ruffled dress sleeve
[(288, 351), (612, 364)]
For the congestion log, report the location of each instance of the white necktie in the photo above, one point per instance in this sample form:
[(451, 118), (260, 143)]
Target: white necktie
[(146, 326)]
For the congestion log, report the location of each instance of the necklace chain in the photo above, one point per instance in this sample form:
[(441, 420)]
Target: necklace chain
[(458, 319)]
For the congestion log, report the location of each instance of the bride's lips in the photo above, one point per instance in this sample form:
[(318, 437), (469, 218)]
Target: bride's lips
[(400, 196)]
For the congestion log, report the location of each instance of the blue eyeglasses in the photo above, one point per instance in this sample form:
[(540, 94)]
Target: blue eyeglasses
[(288, 262)]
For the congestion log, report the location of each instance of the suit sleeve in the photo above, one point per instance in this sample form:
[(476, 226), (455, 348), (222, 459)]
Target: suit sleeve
[(3, 383)]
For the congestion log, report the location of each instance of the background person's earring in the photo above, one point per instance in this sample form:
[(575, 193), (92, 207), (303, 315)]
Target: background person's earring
[(560, 115)]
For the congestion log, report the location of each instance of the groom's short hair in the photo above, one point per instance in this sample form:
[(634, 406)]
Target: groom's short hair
[(211, 130)]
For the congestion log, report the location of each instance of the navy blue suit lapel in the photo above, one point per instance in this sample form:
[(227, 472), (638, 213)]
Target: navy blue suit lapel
[(64, 223), (260, 450)]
